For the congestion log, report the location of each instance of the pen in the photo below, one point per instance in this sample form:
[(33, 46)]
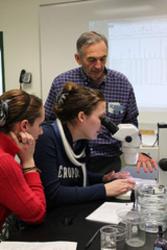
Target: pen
[(92, 239)]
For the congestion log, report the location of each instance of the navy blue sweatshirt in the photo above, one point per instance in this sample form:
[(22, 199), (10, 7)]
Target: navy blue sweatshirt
[(62, 180)]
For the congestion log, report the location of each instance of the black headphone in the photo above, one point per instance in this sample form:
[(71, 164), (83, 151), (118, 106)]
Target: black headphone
[(3, 112)]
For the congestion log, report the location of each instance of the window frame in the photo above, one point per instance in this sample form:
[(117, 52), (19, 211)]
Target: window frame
[(2, 61)]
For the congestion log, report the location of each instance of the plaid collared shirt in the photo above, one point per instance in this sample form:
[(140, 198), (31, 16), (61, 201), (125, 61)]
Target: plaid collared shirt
[(121, 105)]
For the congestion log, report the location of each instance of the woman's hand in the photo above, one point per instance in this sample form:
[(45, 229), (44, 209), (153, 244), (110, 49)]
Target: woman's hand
[(119, 187), (26, 143), (112, 176)]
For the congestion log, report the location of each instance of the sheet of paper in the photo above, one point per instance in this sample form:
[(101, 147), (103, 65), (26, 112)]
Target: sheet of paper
[(52, 245), (108, 212)]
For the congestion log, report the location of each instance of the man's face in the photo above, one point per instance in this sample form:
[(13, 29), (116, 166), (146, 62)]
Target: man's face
[(93, 60)]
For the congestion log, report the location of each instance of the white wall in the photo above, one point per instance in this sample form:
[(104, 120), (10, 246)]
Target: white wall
[(19, 20), (20, 26)]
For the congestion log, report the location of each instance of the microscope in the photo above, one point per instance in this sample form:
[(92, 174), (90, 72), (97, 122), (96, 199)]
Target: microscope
[(128, 134)]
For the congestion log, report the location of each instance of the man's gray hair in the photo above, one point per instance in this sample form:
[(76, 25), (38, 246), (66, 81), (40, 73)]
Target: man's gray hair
[(89, 38)]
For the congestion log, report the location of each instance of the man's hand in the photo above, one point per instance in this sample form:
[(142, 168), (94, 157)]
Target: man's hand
[(146, 162), (112, 176)]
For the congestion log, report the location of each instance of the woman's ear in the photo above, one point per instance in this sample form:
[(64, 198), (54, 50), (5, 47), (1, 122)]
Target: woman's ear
[(24, 124), (81, 116)]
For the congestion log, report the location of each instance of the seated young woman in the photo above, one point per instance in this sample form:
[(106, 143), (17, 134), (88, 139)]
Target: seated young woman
[(22, 194), (62, 152)]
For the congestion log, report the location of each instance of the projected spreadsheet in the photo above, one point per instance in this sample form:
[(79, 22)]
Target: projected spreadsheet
[(139, 50)]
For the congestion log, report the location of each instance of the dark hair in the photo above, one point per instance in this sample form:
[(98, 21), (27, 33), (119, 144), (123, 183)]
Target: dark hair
[(75, 98), (17, 105), (89, 38)]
